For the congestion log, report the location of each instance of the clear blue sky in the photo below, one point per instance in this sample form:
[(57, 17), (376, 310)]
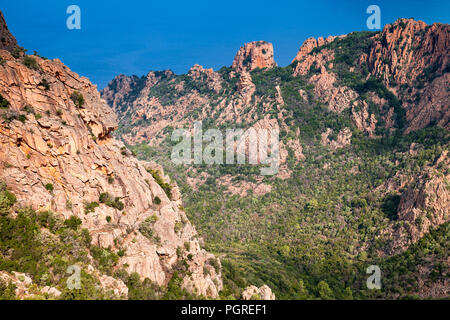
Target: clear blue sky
[(134, 37)]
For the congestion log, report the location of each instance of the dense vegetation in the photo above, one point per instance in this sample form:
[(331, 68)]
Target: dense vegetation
[(314, 234), (43, 246)]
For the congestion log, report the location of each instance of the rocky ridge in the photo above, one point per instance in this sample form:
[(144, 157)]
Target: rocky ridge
[(411, 54), (57, 153)]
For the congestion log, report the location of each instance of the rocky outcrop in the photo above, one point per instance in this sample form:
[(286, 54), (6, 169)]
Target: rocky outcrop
[(7, 40), (208, 76), (361, 117), (255, 293), (57, 153), (310, 44), (116, 286), (423, 206), (433, 106), (404, 49), (342, 140), (246, 87), (413, 58), (337, 97), (243, 187), (320, 66), (257, 54), (117, 90)]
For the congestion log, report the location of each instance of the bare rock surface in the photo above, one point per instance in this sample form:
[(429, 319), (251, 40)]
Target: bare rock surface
[(262, 293), (69, 146), (257, 54), (7, 40)]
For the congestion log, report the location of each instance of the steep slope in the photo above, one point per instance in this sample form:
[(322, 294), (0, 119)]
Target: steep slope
[(7, 40), (413, 58), (57, 154), (360, 181)]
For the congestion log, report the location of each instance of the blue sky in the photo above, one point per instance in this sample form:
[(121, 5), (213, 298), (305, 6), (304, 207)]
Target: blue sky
[(134, 37)]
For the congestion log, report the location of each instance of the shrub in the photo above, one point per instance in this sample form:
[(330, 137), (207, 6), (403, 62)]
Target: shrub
[(49, 187), (108, 219), (3, 102), (31, 63), (45, 84), (146, 227), (9, 116), (164, 185), (214, 263), (157, 200), (73, 222), (121, 252), (17, 52), (22, 118), (7, 291), (86, 236), (2, 185), (90, 207), (77, 98), (7, 200), (324, 291), (255, 297), (390, 206), (104, 258), (28, 109), (178, 226), (110, 201)]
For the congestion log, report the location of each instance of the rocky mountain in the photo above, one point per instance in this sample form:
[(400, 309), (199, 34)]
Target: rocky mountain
[(58, 155), (363, 179)]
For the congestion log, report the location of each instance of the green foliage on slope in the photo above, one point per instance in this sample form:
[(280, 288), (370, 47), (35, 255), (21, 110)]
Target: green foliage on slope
[(315, 233)]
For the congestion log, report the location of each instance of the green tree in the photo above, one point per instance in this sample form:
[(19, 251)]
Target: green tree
[(324, 291)]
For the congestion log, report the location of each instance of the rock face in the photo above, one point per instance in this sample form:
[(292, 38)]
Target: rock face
[(257, 54), (57, 153), (402, 51), (412, 60), (255, 293), (310, 44), (7, 40), (422, 207), (343, 138), (413, 54)]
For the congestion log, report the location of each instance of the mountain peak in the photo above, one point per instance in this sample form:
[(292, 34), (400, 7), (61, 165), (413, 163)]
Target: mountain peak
[(256, 54)]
